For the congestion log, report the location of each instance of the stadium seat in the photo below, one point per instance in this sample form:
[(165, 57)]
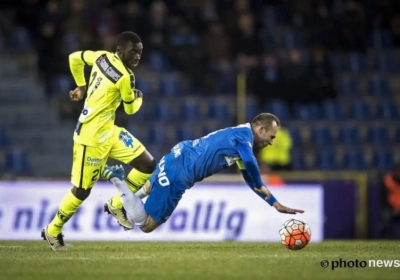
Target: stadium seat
[(336, 62), (380, 39), (348, 86), (385, 63), (163, 111), (218, 109), (360, 110), (296, 136), (321, 135), (158, 134), (144, 85), (252, 109), (325, 160), (273, 16), (61, 85), (187, 132), (268, 41), (157, 63), (354, 160), (209, 127), (17, 162), (382, 160), (378, 135), (4, 141), (139, 131), (309, 112), (297, 159), (332, 111), (356, 63), (169, 86), (349, 135), (190, 111), (397, 135), (379, 86), (291, 39), (278, 108), (387, 110)]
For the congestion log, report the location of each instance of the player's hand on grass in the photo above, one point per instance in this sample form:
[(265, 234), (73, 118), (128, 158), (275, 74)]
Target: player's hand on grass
[(138, 93), (286, 210), (263, 190), (78, 93)]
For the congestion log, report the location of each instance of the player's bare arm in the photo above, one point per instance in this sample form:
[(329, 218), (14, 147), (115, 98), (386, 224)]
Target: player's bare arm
[(264, 191), (286, 210)]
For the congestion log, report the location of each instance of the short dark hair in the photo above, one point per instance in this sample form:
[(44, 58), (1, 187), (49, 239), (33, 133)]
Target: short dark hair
[(266, 120), (126, 37)]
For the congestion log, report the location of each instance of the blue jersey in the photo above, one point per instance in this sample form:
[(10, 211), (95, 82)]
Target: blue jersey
[(212, 153), (192, 161)]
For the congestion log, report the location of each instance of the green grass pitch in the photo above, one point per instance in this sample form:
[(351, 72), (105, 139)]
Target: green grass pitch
[(190, 261)]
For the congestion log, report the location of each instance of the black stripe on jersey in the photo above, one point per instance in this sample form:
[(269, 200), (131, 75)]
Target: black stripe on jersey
[(83, 58), (132, 184), (83, 165), (108, 70), (128, 102), (131, 77)]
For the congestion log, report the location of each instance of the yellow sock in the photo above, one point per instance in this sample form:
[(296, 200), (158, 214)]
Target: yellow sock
[(134, 181), (68, 206)]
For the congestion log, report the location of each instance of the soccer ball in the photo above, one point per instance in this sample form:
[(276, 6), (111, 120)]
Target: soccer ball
[(295, 234)]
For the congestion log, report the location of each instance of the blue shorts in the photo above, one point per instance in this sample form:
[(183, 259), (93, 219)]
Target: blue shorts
[(167, 187)]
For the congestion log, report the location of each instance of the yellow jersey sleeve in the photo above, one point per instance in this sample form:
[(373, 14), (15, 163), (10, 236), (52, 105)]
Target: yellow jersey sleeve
[(131, 104), (77, 62)]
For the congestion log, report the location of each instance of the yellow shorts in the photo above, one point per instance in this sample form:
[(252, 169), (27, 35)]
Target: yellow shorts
[(88, 162)]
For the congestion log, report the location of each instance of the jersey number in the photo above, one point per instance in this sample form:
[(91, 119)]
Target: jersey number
[(95, 175), (92, 79)]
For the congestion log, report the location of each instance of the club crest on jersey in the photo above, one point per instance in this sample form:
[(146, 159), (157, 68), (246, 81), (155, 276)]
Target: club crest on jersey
[(126, 138)]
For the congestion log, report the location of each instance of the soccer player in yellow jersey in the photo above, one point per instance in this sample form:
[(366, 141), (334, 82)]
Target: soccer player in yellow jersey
[(96, 137)]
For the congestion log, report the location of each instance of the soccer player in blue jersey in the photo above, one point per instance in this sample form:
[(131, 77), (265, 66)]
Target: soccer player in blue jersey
[(192, 161)]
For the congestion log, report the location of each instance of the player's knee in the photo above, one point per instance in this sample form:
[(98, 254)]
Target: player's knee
[(80, 193), (146, 229)]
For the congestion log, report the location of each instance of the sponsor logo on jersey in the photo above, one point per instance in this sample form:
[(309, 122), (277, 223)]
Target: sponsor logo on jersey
[(230, 160), (91, 161), (108, 70)]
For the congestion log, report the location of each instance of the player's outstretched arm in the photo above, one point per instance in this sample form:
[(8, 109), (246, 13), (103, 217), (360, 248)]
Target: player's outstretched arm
[(251, 173), (132, 98)]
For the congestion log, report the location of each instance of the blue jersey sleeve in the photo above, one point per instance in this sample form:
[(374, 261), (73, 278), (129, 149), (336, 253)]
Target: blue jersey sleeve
[(248, 165)]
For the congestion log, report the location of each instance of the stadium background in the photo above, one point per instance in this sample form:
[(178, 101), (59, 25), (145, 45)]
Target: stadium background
[(328, 69)]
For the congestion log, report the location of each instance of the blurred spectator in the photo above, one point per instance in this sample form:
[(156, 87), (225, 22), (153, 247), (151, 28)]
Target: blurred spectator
[(351, 28), (277, 156), (321, 26), (247, 40), (321, 72), (296, 79), (391, 206), (265, 81)]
